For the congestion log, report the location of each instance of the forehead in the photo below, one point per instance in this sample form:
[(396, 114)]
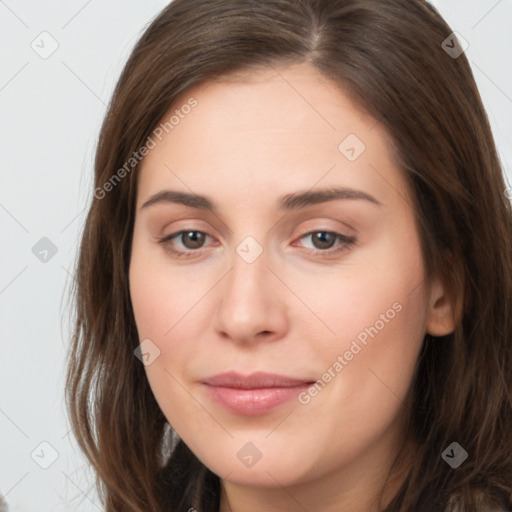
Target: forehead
[(257, 130)]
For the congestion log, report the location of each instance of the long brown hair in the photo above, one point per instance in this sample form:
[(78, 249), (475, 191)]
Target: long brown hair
[(388, 56)]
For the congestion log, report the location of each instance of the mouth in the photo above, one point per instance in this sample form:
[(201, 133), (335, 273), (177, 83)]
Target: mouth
[(254, 394)]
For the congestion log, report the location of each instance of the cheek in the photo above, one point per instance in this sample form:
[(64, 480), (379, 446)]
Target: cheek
[(366, 368), (172, 308), (164, 301), (162, 293), (368, 358), (377, 318)]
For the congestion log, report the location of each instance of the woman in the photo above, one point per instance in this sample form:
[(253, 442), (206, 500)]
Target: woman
[(258, 364)]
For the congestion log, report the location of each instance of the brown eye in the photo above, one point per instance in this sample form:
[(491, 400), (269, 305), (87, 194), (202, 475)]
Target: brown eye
[(192, 239), (324, 242), (190, 242), (323, 239)]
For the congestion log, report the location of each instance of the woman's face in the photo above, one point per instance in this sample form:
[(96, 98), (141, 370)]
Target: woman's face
[(291, 258)]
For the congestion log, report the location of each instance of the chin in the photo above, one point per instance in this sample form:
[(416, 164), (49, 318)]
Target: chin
[(266, 467)]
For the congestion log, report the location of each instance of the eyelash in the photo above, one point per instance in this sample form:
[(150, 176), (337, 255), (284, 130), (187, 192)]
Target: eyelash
[(347, 242)]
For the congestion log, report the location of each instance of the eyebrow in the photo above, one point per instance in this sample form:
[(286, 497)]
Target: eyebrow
[(288, 202)]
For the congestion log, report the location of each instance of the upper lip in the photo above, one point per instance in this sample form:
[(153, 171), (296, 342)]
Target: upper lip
[(253, 381)]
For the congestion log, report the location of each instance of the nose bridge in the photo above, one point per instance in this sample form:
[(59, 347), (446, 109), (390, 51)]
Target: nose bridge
[(248, 283), (249, 303)]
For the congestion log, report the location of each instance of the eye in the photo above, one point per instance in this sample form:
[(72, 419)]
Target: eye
[(324, 242), (193, 241)]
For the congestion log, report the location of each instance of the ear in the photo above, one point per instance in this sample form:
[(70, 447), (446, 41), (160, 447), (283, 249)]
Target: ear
[(443, 312)]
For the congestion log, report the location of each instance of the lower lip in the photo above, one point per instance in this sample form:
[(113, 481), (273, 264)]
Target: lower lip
[(251, 402)]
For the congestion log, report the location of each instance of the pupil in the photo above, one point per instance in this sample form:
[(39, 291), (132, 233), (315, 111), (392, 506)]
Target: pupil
[(196, 240), (321, 236)]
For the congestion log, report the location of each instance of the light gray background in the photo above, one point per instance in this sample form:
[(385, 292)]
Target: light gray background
[(51, 111)]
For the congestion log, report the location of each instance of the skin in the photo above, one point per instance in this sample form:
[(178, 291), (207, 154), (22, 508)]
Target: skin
[(251, 139)]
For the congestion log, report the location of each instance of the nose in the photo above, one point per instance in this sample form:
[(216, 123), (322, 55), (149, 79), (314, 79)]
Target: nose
[(252, 304)]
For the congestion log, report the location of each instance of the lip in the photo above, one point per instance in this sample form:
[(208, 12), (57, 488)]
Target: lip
[(253, 394)]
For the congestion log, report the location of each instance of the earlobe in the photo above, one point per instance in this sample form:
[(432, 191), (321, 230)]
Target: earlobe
[(442, 312)]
